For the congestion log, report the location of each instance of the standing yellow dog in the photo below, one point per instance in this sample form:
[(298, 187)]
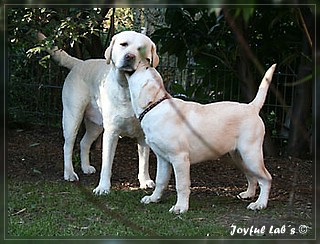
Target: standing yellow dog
[(183, 133), (96, 91)]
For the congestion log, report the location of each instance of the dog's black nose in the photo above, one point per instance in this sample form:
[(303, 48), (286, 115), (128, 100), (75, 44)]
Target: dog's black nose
[(130, 56)]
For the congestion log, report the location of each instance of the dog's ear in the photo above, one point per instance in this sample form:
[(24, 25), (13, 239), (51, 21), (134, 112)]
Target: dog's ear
[(108, 52), (155, 57), (147, 94)]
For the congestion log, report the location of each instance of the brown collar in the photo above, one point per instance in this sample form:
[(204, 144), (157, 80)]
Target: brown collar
[(141, 116)]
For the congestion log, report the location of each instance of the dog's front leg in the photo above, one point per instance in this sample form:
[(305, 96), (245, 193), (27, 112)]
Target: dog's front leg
[(110, 140), (143, 175), (162, 179), (181, 166)]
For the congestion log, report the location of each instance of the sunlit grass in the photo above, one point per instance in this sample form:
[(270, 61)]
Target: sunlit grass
[(63, 209)]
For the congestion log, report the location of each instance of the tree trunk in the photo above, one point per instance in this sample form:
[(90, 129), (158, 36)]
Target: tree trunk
[(111, 28), (299, 135), (136, 19), (94, 44), (95, 47), (153, 17)]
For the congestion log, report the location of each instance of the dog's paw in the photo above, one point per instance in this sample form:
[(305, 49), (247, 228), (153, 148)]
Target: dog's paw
[(245, 195), (256, 206), (146, 200), (88, 169), (71, 176), (101, 190), (147, 184), (178, 209), (149, 199)]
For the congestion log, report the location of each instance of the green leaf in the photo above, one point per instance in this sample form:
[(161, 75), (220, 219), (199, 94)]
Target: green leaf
[(177, 88), (247, 13), (36, 171), (34, 144)]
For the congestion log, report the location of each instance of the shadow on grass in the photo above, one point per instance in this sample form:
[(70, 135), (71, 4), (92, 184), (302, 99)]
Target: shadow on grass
[(62, 209)]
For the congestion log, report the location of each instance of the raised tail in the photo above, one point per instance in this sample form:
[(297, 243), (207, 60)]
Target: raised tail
[(258, 101), (63, 58)]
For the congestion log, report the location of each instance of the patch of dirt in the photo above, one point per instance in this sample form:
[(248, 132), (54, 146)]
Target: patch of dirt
[(37, 154)]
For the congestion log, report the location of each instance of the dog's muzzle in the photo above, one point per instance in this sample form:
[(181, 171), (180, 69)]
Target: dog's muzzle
[(128, 63)]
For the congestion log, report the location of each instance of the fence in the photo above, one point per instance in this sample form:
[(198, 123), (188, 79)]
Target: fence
[(34, 92)]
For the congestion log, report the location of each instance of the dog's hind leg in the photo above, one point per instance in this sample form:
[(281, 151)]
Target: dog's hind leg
[(252, 187), (253, 159), (92, 132), (71, 124), (265, 186), (143, 175), (75, 100), (252, 181)]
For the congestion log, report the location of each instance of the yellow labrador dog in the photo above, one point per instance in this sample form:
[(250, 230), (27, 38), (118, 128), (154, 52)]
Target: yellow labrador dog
[(183, 133), (96, 90)]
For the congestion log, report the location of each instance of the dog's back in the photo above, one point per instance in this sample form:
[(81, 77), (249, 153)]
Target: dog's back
[(89, 72)]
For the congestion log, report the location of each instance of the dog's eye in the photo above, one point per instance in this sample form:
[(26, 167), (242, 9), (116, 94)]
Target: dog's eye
[(149, 60), (124, 44)]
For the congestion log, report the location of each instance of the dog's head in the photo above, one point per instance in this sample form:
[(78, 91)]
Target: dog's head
[(146, 85), (128, 48)]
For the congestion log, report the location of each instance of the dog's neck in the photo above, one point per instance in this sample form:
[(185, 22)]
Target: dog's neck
[(146, 93), (116, 86), (151, 106), (120, 77)]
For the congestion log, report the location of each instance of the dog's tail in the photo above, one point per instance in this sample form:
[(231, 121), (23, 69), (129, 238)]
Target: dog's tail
[(258, 101), (62, 57)]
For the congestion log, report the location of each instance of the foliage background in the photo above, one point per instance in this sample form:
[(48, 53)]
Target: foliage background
[(30, 85), (208, 54)]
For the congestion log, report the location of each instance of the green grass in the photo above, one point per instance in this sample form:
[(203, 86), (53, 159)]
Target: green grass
[(63, 209), (49, 209)]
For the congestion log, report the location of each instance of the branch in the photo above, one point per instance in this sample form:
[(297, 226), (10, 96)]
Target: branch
[(305, 28), (242, 41)]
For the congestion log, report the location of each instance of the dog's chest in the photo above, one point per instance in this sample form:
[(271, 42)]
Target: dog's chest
[(120, 116), (116, 109)]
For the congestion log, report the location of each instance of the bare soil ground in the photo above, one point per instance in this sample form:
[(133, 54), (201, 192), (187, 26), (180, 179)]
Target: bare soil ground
[(36, 154)]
